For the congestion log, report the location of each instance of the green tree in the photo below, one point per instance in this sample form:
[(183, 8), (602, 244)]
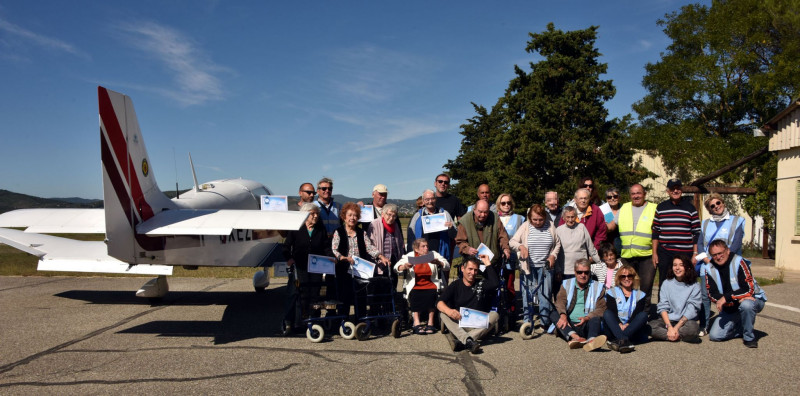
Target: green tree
[(549, 129), (729, 68)]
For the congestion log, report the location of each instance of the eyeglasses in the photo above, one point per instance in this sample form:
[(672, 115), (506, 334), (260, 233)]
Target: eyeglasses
[(626, 276), (443, 181), (713, 205), (718, 254), (505, 202), (612, 196), (325, 188), (581, 272), (587, 185), (309, 192)]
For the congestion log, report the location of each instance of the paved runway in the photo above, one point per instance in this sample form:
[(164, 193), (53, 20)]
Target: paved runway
[(70, 335)]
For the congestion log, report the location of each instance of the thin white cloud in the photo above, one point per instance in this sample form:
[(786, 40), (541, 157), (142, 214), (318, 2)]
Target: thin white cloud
[(645, 44), (39, 39), (391, 131), (193, 73)]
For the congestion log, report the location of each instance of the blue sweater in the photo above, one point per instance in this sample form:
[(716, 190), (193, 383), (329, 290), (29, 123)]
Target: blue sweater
[(679, 299)]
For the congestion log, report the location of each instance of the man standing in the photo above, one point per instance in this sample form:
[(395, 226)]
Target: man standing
[(329, 210), (580, 304), (445, 200), (484, 193), (552, 208), (468, 293), (482, 227), (635, 231), (676, 227), (738, 296), (379, 195), (437, 241), (306, 194)]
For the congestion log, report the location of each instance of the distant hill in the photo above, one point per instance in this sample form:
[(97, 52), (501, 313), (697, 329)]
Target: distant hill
[(10, 201)]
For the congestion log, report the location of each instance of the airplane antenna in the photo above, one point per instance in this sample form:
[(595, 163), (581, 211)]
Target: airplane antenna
[(194, 175), (175, 160)]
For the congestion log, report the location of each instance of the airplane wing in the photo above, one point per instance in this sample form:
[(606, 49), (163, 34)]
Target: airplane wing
[(62, 254), (56, 221), (218, 222)]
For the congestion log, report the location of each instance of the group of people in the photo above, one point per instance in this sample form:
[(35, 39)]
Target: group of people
[(587, 268)]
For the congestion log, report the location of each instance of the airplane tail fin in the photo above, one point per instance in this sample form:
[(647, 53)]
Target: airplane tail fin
[(130, 192)]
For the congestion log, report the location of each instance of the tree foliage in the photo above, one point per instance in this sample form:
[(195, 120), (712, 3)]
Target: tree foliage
[(729, 68), (549, 129)]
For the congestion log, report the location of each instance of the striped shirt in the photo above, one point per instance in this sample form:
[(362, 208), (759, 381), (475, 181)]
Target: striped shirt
[(676, 227), (540, 242)]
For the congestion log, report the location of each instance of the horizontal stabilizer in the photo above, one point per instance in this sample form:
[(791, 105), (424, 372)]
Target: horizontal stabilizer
[(56, 221), (218, 222), (63, 254)]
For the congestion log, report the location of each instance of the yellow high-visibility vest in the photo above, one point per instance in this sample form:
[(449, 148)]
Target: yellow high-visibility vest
[(638, 242)]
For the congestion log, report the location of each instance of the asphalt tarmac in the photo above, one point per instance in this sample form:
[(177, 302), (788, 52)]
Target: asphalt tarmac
[(72, 335)]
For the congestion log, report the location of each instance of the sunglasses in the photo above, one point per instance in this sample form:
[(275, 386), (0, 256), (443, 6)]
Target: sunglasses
[(612, 196), (582, 272), (586, 185), (505, 203), (715, 204), (325, 188), (626, 276), (443, 181), (309, 192)]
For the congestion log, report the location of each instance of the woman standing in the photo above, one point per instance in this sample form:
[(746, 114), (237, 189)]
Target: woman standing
[(610, 211), (625, 317), (311, 238), (722, 225), (678, 304), (590, 216), (421, 284), (535, 241), (386, 234), (349, 241), (511, 221)]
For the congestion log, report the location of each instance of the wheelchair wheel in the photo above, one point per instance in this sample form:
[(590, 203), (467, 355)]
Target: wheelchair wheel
[(526, 331), (362, 332), (316, 333), (347, 330)]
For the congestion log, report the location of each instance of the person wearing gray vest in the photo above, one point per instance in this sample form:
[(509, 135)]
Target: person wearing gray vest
[(722, 225), (482, 227), (738, 297)]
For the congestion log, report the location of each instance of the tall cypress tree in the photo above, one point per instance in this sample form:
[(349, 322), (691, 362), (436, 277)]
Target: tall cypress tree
[(549, 129)]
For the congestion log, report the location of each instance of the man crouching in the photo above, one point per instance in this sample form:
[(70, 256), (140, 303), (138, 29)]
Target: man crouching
[(469, 293)]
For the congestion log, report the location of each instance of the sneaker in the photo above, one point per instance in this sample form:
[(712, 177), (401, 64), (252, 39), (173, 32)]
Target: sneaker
[(626, 347), (751, 344), (575, 343), (613, 345), (703, 333), (594, 343), (472, 346)]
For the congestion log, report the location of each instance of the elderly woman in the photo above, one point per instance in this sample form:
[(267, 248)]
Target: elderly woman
[(386, 234), (421, 284), (350, 241), (535, 242), (610, 211), (722, 225), (511, 221), (311, 238), (591, 216), (625, 318), (678, 304), (575, 242)]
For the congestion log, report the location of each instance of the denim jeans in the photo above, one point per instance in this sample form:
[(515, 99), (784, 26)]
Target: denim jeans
[(542, 277), (705, 315), (737, 324), (588, 329), (636, 332)]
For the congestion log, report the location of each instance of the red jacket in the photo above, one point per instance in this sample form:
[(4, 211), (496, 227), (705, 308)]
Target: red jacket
[(595, 223)]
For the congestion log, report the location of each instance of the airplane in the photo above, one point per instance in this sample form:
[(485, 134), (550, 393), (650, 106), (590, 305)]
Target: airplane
[(218, 223)]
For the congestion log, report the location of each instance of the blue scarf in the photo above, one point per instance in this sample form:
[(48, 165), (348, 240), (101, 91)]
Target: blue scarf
[(444, 237)]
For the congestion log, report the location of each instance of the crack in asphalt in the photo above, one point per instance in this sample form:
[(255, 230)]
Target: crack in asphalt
[(8, 367)]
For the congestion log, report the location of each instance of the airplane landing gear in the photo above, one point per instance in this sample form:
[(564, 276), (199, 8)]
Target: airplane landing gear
[(261, 280), (154, 288)]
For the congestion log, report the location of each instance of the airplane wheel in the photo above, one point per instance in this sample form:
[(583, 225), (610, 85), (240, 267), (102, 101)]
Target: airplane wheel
[(347, 330), (526, 331), (396, 328), (260, 290), (316, 333), (362, 332)]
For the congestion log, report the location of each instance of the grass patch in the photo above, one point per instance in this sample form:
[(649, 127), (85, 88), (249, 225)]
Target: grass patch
[(770, 281)]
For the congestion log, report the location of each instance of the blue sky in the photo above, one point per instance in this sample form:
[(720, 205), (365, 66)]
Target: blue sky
[(280, 92)]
